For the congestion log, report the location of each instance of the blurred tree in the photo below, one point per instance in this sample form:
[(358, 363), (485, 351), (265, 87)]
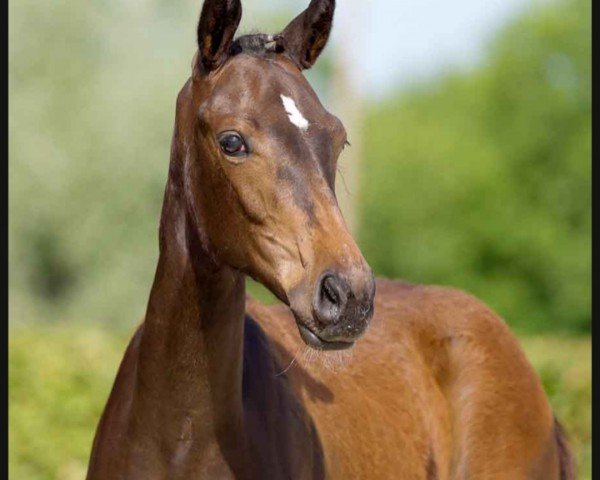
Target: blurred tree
[(481, 180)]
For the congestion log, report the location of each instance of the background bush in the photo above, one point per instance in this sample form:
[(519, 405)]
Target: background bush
[(482, 179)]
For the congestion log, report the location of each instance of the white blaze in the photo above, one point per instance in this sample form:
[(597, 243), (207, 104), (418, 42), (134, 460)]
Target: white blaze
[(293, 113)]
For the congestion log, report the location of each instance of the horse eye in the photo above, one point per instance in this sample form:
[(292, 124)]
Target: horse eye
[(232, 144)]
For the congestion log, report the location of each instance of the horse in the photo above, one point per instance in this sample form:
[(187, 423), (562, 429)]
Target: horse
[(414, 382)]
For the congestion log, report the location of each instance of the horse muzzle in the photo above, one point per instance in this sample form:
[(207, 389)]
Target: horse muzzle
[(341, 311)]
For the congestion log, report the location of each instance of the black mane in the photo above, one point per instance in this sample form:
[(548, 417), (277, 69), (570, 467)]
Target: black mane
[(257, 43)]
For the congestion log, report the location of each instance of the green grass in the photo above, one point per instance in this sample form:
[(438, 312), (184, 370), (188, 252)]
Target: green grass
[(60, 377)]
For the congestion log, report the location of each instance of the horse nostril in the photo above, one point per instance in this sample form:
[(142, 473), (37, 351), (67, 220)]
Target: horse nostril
[(330, 290), (331, 299)]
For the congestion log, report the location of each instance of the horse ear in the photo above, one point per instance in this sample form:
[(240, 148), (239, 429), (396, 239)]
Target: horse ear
[(305, 37), (218, 23)]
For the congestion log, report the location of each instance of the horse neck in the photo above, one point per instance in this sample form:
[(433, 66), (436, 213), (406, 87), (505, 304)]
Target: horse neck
[(191, 350)]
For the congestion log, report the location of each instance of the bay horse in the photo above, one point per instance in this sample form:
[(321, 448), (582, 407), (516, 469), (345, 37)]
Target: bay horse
[(212, 385)]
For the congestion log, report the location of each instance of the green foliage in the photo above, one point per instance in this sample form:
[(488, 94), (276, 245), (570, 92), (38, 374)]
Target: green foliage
[(86, 175), (481, 180), (60, 378)]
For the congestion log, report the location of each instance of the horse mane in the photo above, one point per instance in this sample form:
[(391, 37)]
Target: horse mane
[(257, 44)]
